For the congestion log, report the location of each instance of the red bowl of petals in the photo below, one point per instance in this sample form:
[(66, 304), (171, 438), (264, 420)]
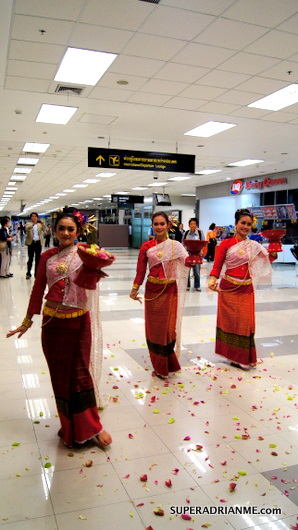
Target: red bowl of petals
[(90, 273), (274, 237), (195, 246)]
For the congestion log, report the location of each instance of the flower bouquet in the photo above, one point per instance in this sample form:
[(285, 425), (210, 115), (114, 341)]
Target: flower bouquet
[(194, 247), (274, 237), (94, 259)]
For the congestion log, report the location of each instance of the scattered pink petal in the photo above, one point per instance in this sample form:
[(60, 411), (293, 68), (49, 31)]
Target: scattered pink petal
[(186, 517), (187, 499), (196, 403), (199, 447), (187, 438), (168, 483), (159, 511), (156, 482), (232, 486), (130, 436), (286, 492), (175, 471), (115, 387), (222, 500), (223, 462), (126, 476), (273, 478), (143, 478), (140, 504)]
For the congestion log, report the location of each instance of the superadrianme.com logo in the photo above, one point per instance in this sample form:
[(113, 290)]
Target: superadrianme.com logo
[(224, 510)]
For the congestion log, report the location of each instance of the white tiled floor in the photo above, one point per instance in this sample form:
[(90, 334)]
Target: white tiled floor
[(189, 430)]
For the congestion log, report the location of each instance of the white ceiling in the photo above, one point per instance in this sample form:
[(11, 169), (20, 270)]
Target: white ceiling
[(186, 62)]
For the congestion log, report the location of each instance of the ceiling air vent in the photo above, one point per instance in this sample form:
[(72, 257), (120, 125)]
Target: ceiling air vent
[(151, 1), (64, 89)]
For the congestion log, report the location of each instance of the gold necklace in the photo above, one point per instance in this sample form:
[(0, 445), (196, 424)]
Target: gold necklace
[(62, 267), (240, 251), (160, 253)]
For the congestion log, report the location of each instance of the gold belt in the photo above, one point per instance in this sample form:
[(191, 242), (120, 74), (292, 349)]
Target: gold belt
[(161, 281), (237, 282), (58, 314)]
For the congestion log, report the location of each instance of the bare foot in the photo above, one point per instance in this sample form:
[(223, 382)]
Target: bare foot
[(104, 439)]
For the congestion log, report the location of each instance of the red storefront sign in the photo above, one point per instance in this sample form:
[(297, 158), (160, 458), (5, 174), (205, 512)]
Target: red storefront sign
[(268, 182)]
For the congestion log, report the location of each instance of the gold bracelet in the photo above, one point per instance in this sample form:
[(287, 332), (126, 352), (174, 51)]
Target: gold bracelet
[(135, 286), (27, 322)]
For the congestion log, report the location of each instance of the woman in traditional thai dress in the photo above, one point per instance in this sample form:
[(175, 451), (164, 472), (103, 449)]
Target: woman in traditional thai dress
[(245, 262), (164, 295), (72, 349)]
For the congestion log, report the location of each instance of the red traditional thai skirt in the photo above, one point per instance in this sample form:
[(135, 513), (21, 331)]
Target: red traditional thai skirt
[(66, 344), (236, 323), (160, 326)]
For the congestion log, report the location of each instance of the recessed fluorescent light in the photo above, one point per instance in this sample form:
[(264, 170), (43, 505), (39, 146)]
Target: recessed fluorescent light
[(209, 129), (107, 196), (28, 161), (10, 183), (157, 184), (80, 185), (35, 147), (122, 193), (228, 178), (179, 178), (188, 194), (11, 188), (19, 178), (8, 193), (97, 198), (278, 100), (85, 67), (75, 204), (61, 194), (58, 114), (208, 171), (139, 188), (247, 162), (53, 197), (69, 191), (105, 175), (22, 170), (91, 181)]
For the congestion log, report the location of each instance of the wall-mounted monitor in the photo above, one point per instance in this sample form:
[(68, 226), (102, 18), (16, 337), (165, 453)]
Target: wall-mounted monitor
[(161, 199)]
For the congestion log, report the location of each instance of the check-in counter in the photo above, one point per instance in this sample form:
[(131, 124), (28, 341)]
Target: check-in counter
[(115, 236)]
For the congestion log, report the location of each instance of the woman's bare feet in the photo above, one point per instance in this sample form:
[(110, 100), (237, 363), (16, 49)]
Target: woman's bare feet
[(104, 439)]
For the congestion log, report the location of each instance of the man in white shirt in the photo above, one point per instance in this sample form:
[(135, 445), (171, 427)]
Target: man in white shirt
[(34, 241), (195, 233)]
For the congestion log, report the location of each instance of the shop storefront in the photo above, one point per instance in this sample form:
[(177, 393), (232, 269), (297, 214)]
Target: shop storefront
[(272, 198)]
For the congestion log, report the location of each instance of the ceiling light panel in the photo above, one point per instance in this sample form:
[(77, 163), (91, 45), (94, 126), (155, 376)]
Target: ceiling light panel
[(28, 161), (247, 162), (26, 170), (210, 128), (278, 100), (35, 147), (57, 114), (208, 171), (84, 67)]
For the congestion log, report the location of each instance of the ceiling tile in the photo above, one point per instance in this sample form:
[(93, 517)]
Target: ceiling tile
[(99, 38), (28, 29), (125, 64), (36, 52), (184, 103), (202, 55), (215, 107), (290, 25), (177, 23), (181, 72), (161, 48), (248, 63), (230, 34), (281, 117), (29, 69), (238, 98), (66, 10), (281, 71), (159, 86), (116, 14), (260, 85), (212, 7), (219, 78), (249, 112), (267, 13), (202, 92), (110, 94), (277, 44), (97, 118), (148, 99), (26, 84), (110, 80)]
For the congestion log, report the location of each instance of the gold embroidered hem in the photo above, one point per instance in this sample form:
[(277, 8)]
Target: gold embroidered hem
[(59, 314), (161, 281), (237, 282)]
